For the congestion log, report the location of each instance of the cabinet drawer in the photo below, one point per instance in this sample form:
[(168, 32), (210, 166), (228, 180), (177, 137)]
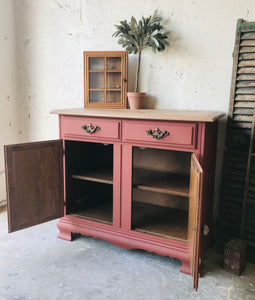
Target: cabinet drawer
[(175, 133), (89, 127)]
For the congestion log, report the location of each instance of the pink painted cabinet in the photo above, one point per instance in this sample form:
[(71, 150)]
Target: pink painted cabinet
[(138, 181)]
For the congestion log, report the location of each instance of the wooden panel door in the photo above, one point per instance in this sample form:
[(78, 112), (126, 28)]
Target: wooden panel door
[(34, 181), (194, 227)]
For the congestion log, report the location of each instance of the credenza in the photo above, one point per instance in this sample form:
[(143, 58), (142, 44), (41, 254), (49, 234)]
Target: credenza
[(136, 178)]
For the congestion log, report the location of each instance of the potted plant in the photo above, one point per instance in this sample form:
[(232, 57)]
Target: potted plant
[(137, 35)]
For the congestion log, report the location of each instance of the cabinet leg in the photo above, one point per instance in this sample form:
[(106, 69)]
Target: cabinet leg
[(64, 233), (185, 268)]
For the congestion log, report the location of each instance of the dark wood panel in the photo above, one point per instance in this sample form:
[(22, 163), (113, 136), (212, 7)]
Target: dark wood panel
[(34, 176)]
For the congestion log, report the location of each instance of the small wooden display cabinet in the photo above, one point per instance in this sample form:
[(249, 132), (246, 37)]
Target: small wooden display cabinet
[(138, 179), (105, 79)]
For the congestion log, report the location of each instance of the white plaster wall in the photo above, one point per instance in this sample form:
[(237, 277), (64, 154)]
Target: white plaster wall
[(8, 88), (193, 73)]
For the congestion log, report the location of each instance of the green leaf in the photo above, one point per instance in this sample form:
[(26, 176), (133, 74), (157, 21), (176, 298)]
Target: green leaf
[(155, 41), (135, 35)]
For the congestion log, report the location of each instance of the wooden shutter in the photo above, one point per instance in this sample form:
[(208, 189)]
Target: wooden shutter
[(238, 183), (34, 181)]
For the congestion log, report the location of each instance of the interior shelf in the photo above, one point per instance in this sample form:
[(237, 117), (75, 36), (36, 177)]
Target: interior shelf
[(161, 182), (107, 71), (107, 89), (160, 221), (99, 211), (102, 176)]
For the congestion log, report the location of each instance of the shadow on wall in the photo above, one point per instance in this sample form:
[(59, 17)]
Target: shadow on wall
[(132, 62), (222, 125), (150, 102)]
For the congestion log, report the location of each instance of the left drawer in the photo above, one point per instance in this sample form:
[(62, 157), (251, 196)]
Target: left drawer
[(92, 128)]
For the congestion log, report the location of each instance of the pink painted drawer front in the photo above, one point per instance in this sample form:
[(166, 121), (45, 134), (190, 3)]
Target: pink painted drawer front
[(74, 126), (177, 134)]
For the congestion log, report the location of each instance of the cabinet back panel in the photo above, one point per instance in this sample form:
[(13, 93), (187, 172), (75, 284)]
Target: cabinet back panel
[(83, 196), (90, 199), (161, 160), (160, 199), (82, 156)]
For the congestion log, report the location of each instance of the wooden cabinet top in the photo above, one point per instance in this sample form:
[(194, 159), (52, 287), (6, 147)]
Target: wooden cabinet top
[(144, 114)]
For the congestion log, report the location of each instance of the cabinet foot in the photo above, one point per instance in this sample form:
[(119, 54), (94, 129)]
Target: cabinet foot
[(185, 268), (64, 233)]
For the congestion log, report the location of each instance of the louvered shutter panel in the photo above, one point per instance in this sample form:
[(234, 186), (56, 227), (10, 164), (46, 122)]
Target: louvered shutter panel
[(237, 205)]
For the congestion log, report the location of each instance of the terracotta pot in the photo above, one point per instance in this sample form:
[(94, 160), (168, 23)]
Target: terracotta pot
[(136, 100)]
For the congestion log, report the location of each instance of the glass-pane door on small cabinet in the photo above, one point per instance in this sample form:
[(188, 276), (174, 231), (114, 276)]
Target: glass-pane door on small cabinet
[(105, 79)]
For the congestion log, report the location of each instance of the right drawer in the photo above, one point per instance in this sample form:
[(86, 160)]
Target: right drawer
[(177, 134)]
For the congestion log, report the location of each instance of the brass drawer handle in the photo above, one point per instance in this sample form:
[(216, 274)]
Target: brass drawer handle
[(157, 133), (90, 128)]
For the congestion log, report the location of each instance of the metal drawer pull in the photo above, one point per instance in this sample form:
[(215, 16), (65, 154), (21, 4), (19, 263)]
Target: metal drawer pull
[(157, 133), (90, 128)]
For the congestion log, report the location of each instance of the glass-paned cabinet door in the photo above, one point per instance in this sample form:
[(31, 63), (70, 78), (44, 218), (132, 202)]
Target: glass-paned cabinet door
[(105, 79)]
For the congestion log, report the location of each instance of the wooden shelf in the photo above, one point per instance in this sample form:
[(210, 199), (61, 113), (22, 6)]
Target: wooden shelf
[(96, 71), (100, 212), (100, 90), (107, 71), (102, 176), (160, 221), (161, 182), (113, 90)]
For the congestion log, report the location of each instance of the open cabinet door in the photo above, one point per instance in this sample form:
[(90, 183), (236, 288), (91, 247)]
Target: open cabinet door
[(34, 183), (194, 232)]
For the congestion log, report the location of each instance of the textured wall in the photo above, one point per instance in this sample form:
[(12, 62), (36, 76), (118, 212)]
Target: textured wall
[(8, 88), (193, 73)]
